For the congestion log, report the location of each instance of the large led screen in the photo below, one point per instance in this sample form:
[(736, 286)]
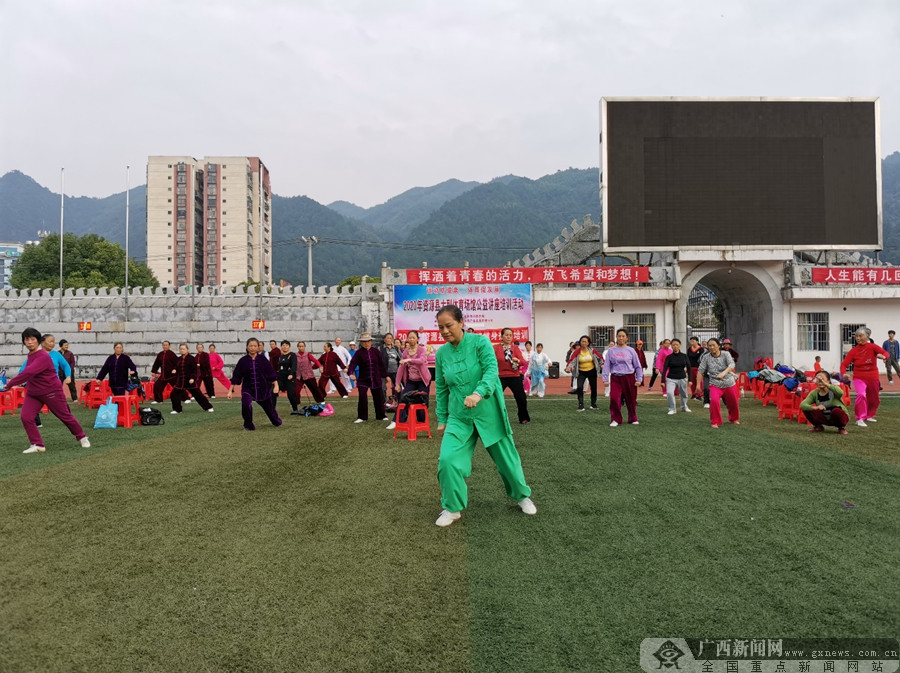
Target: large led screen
[(740, 174)]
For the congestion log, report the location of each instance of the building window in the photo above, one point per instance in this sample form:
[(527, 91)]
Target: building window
[(848, 337), (641, 326), (601, 335), (812, 331)]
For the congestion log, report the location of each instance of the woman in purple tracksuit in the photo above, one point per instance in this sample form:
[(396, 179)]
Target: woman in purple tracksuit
[(622, 370), (258, 382), (118, 366), (44, 387)]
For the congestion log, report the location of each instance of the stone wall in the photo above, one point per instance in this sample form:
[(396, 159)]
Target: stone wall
[(144, 317)]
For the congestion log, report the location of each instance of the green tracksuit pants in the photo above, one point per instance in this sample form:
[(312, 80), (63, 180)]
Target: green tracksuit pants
[(455, 466)]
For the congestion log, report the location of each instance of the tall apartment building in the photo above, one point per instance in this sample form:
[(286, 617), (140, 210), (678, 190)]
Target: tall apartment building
[(209, 222), (9, 255)]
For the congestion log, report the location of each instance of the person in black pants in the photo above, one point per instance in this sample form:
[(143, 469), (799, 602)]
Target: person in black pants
[(586, 362), (509, 365), (675, 371), (287, 376), (186, 379)]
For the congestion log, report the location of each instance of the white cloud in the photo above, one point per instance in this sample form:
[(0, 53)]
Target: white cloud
[(362, 100)]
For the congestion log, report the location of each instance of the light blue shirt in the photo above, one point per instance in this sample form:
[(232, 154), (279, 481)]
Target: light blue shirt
[(58, 360)]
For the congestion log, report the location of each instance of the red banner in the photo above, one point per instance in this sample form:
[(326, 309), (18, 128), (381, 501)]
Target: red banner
[(540, 274), (866, 274)]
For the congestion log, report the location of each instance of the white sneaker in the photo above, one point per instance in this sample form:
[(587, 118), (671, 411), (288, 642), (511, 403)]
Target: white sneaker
[(344, 397), (671, 412), (359, 420), (446, 518), (891, 382), (613, 425), (635, 423), (861, 423), (687, 410), (210, 410), (872, 420), (85, 443), (174, 412), (527, 506), (154, 402), (188, 401), (706, 406), (392, 425), (34, 448)]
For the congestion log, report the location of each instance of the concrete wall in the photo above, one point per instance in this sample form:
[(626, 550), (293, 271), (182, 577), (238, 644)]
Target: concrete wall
[(144, 318)]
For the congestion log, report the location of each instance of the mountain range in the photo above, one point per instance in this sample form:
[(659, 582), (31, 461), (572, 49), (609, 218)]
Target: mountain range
[(485, 224)]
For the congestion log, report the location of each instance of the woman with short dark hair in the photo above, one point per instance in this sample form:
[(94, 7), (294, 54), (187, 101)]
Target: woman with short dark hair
[(186, 379), (587, 362), (118, 366), (825, 405), (44, 387), (622, 370), (470, 406), (718, 365), (509, 366), (258, 383)]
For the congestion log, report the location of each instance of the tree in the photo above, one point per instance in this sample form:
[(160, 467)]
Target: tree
[(88, 261)]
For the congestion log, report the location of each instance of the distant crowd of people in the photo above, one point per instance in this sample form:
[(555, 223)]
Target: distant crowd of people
[(469, 376)]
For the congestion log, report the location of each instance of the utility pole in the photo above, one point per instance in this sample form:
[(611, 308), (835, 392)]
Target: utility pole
[(309, 241), (62, 202)]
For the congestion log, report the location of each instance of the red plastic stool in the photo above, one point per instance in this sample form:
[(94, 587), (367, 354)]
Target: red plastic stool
[(129, 410), (412, 426), (7, 402)]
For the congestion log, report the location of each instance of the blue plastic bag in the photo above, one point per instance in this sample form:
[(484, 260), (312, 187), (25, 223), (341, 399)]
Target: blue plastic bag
[(107, 416), (3, 378)]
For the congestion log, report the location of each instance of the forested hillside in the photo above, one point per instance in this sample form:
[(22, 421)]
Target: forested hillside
[(27, 207), (444, 225)]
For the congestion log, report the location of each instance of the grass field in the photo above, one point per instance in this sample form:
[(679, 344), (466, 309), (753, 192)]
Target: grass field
[(312, 547)]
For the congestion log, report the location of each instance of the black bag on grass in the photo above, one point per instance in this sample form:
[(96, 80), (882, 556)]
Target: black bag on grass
[(150, 416), (414, 397)]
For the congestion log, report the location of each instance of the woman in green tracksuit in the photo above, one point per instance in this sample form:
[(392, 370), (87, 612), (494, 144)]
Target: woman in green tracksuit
[(470, 405)]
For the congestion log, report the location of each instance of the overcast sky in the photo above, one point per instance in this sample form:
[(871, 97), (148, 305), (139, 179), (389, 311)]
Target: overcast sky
[(363, 99)]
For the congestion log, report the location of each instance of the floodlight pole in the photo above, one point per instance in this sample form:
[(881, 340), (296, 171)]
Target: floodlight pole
[(62, 201), (309, 241), (127, 208)]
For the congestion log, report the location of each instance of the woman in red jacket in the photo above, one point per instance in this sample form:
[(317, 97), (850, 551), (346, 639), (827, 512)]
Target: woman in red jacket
[(864, 357), (509, 363), (331, 362)]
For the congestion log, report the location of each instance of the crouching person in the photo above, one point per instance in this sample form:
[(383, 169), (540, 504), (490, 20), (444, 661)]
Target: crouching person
[(824, 406)]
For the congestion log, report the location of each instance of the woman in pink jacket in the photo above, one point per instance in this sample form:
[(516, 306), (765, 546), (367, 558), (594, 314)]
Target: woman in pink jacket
[(412, 374), (665, 350), (217, 365)]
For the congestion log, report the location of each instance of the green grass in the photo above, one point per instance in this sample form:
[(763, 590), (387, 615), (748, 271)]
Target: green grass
[(199, 547)]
